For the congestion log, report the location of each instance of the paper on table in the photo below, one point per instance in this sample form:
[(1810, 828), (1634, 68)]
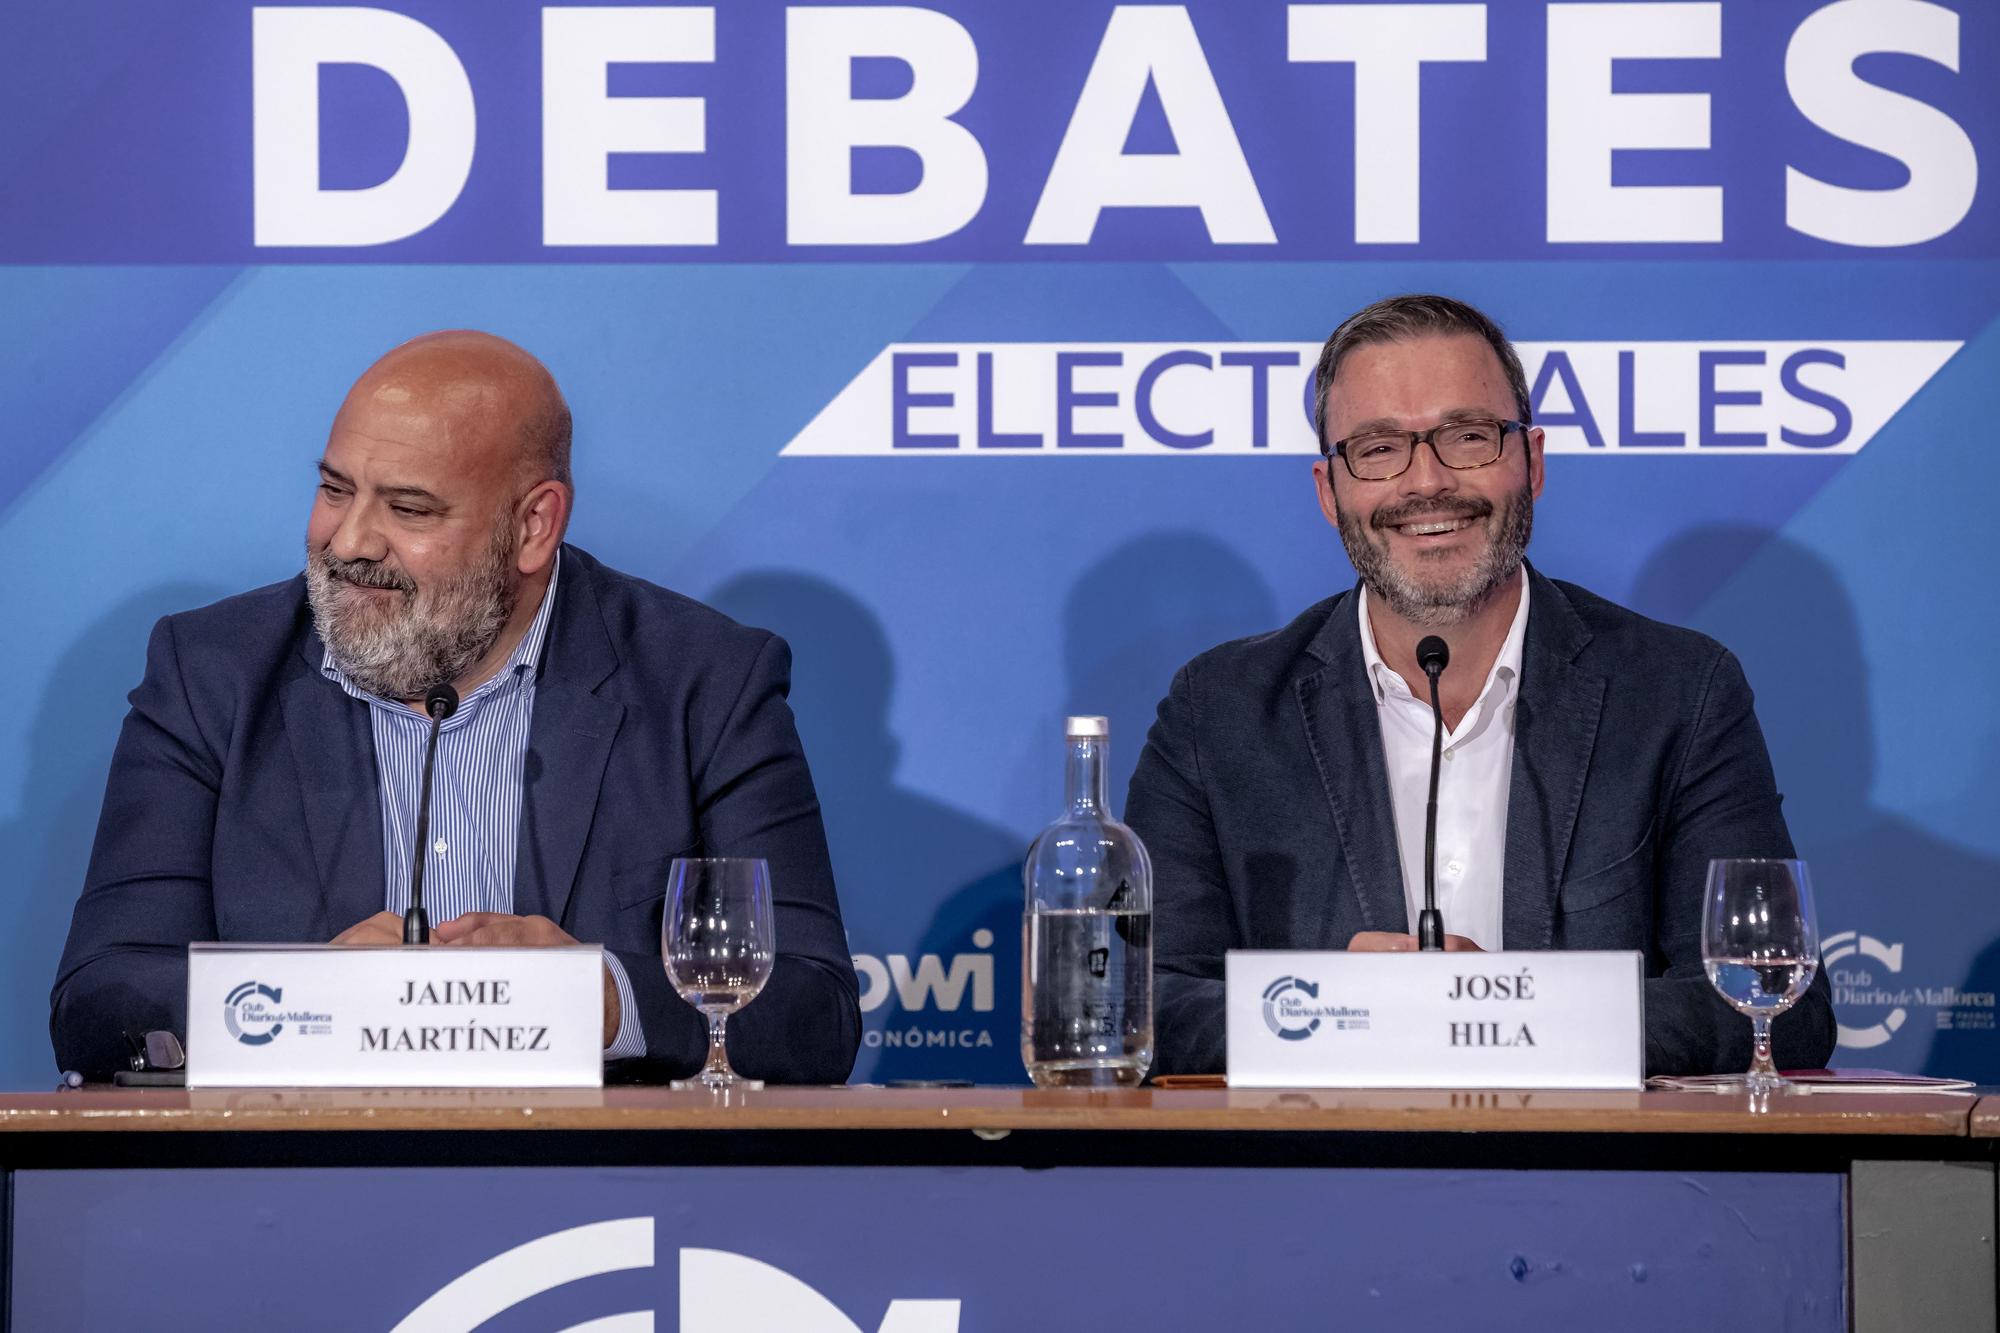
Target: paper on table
[(1818, 1080)]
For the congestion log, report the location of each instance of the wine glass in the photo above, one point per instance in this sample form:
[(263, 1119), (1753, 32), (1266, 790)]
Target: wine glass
[(1761, 944), (717, 940)]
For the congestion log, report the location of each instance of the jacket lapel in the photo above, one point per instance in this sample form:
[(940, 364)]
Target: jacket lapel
[(333, 752), (1345, 736), (569, 744), (1555, 729)]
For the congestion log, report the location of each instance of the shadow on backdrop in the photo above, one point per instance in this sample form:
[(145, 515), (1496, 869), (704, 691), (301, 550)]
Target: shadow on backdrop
[(1893, 898), (898, 855), (47, 845), (1135, 617)]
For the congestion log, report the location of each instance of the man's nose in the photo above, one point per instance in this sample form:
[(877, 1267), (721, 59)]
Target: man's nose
[(358, 537), (1427, 474)]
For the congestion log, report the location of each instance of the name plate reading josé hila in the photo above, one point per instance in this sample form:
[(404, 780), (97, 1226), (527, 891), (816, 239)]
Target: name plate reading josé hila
[(316, 1016), (1435, 1020)]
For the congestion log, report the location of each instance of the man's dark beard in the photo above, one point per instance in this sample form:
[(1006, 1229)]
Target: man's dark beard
[(424, 636), (1429, 603)]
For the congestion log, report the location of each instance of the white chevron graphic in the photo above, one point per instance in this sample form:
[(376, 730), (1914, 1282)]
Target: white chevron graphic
[(733, 1293), (1791, 399), (540, 1265), (721, 1292)]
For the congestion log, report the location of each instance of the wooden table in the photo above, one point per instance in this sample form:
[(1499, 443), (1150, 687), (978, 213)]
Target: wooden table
[(870, 1108), (1913, 1174)]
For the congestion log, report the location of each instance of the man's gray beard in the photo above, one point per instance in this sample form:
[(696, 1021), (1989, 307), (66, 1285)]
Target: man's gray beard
[(428, 637), (1439, 603)]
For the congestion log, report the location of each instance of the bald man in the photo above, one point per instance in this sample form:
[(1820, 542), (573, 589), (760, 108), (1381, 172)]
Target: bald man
[(266, 783)]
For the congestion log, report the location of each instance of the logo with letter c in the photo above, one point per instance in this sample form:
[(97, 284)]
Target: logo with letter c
[(1293, 1025), (1847, 943), (243, 1013)]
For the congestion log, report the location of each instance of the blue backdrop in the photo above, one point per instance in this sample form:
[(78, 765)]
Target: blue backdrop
[(857, 309)]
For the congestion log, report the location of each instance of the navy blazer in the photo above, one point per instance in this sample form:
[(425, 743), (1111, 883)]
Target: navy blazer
[(1263, 796), (243, 805)]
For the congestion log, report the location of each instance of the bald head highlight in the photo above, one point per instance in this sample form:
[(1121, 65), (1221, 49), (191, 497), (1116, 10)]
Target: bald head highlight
[(484, 386)]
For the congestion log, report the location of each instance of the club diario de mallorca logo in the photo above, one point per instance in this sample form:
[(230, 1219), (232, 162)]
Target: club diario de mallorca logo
[(246, 1015), (1873, 1001), (1292, 1010)]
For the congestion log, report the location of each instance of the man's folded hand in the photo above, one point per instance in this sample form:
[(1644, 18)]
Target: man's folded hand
[(382, 928), (499, 930), (1388, 941)]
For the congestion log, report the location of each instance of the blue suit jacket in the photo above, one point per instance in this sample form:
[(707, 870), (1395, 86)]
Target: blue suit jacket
[(1263, 796), (242, 805)]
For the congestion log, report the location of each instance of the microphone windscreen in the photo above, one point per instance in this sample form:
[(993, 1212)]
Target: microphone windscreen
[(442, 701), (1433, 655)]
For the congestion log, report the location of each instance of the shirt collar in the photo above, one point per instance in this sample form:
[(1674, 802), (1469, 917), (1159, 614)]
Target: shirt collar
[(1506, 671), (520, 665)]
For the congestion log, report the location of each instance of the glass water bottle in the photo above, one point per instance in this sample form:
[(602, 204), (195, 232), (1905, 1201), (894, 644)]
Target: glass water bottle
[(1087, 934)]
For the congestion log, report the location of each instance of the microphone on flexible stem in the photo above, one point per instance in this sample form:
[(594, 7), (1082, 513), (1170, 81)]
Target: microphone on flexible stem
[(1433, 655), (441, 702)]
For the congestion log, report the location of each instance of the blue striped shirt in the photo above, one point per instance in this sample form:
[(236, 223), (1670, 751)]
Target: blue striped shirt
[(475, 798)]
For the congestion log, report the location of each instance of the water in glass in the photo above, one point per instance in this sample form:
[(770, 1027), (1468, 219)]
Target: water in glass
[(1760, 942), (718, 943)]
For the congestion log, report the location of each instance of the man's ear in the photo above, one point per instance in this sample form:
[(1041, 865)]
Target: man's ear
[(540, 520), (1329, 503)]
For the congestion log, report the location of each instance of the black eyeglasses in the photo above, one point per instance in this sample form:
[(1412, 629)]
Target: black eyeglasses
[(1379, 455), (155, 1050)]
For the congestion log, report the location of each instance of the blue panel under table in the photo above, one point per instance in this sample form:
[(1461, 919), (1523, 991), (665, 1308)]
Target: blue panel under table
[(1079, 1248)]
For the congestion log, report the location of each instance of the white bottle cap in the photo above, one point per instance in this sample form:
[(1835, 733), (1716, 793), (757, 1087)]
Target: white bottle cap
[(1087, 728)]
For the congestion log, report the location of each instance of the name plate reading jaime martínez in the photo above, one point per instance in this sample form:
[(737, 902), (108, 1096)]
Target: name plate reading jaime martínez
[(316, 1016), (1435, 1020)]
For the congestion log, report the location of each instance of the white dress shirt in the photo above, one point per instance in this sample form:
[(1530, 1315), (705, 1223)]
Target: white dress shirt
[(1473, 781)]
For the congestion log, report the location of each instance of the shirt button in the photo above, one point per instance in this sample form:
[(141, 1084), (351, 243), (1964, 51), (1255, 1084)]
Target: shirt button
[(1454, 867), (440, 846), (1449, 753)]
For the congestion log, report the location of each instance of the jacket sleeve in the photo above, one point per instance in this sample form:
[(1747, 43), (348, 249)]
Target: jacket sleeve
[(1723, 803), (1167, 806), (146, 895), (756, 799)]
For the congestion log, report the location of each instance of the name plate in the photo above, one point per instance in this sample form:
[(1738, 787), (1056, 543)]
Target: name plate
[(1435, 1020), (316, 1016)]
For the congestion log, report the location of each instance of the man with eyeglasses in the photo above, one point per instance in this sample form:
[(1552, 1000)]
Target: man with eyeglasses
[(1593, 760)]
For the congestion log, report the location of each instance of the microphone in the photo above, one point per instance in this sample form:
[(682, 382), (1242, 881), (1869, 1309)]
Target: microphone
[(1433, 655), (441, 702)]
